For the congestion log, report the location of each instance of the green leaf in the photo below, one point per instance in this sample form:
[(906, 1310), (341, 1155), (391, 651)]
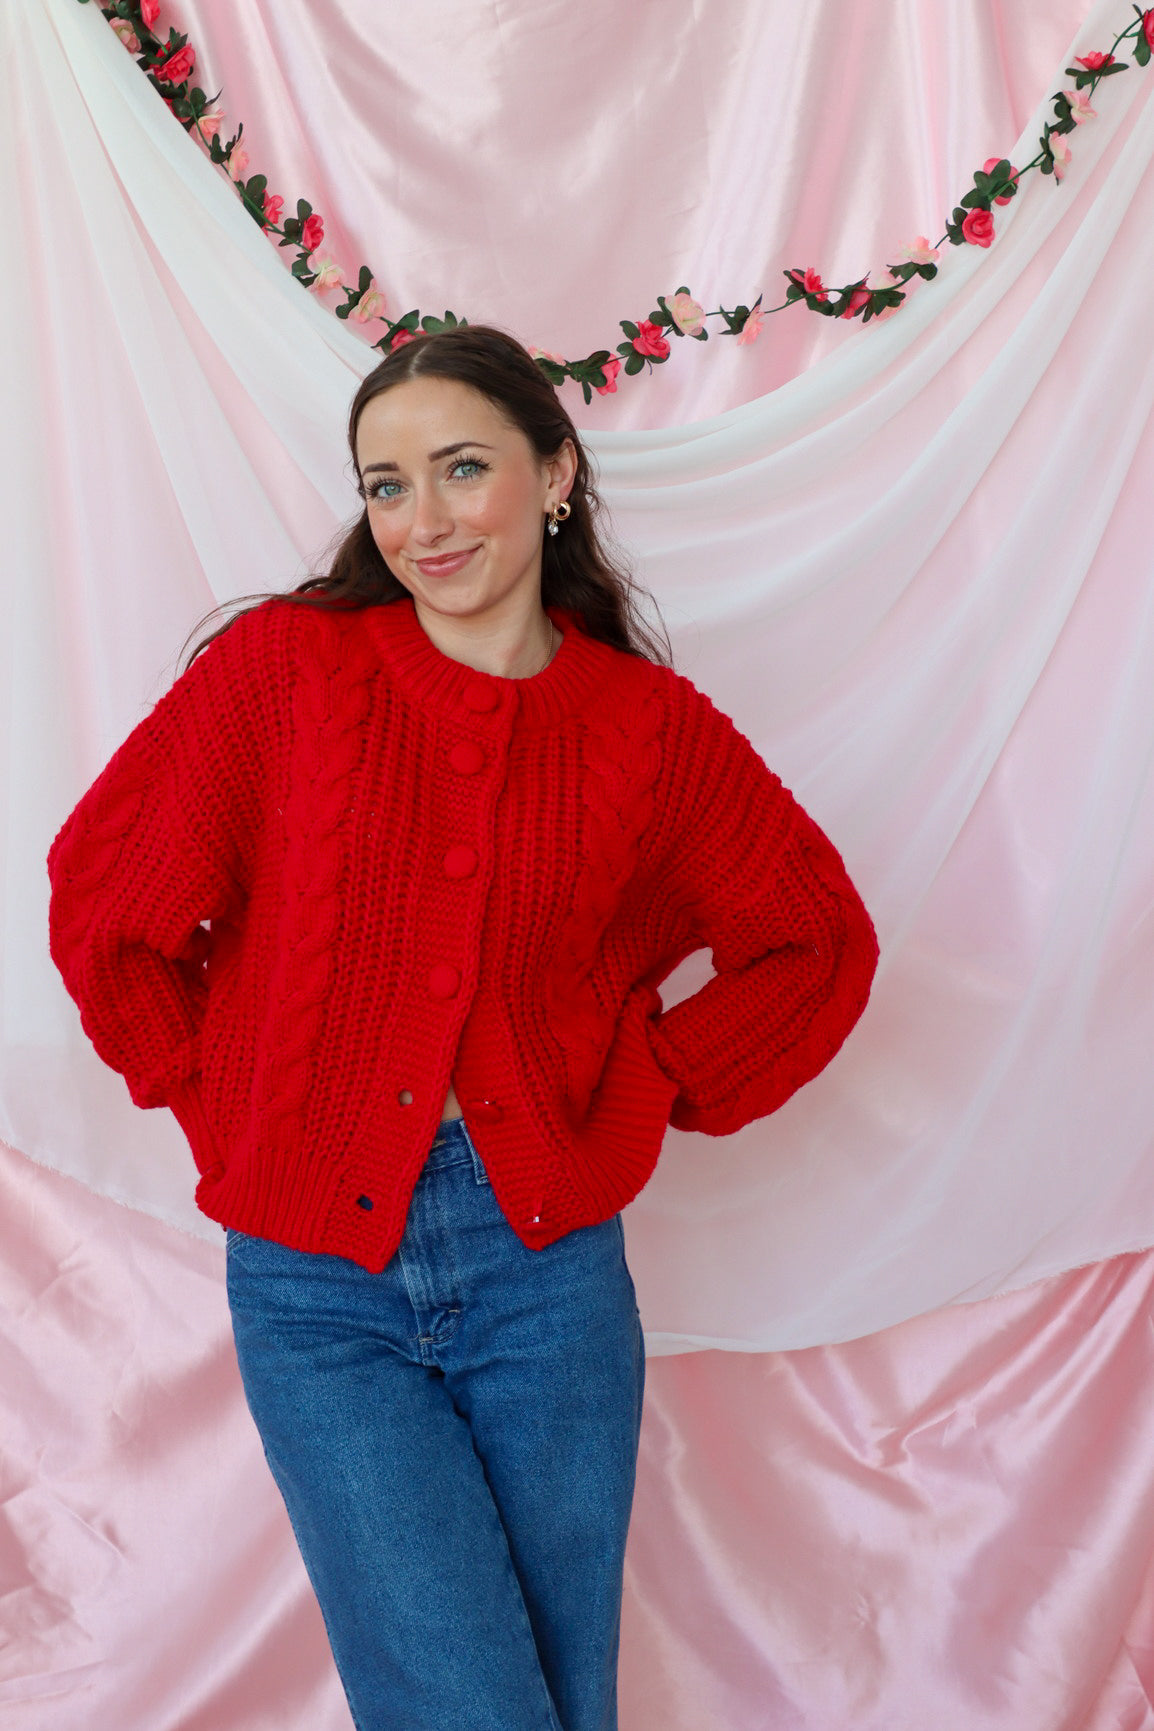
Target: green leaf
[(682, 290), (701, 336), (976, 201), (929, 271), (597, 359), (255, 188), (634, 364), (625, 349), (630, 329), (304, 210), (1142, 51), (364, 279)]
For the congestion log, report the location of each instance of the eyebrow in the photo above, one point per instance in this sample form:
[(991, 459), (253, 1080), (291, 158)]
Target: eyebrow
[(434, 456)]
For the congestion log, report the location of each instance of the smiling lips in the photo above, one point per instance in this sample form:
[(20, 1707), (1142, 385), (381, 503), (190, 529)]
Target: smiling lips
[(444, 564)]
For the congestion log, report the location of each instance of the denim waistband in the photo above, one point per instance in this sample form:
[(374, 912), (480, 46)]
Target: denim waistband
[(453, 1146)]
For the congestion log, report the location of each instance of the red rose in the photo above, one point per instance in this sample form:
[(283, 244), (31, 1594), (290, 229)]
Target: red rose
[(177, 67), (813, 285), (1148, 26), (610, 368), (273, 209), (312, 233), (988, 167), (1094, 62), (858, 299), (149, 12), (978, 228), (401, 337), (649, 341)]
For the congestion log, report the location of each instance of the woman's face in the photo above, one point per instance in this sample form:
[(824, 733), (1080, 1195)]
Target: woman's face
[(457, 497)]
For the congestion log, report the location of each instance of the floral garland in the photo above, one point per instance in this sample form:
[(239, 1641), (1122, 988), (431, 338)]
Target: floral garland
[(170, 64)]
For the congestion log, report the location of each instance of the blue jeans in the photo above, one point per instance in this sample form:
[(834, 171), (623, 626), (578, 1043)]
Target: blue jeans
[(455, 1440)]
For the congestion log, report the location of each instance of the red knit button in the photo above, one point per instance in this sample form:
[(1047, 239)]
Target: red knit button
[(484, 1111), (443, 981), (460, 862), (481, 695), (467, 758)]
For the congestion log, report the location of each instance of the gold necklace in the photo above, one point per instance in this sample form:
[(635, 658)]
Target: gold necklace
[(553, 634)]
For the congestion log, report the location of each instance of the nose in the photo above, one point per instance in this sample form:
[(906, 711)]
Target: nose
[(432, 519)]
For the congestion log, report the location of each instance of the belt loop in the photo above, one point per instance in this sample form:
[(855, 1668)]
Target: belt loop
[(479, 1173)]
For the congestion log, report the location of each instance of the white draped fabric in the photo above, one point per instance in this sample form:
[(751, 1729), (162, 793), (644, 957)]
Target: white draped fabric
[(915, 575)]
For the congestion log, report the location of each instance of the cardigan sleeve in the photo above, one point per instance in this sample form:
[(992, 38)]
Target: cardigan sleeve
[(794, 950), (153, 852)]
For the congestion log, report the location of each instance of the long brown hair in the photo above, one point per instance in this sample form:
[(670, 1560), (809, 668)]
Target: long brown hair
[(578, 572)]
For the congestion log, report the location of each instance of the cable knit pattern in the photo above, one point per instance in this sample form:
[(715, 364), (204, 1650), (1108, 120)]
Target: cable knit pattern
[(334, 868), (621, 765), (329, 713)]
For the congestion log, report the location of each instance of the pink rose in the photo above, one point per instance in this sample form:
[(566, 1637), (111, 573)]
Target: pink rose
[(126, 33), (370, 306), (978, 228), (919, 251), (401, 337), (312, 233), (210, 123), (988, 167), (1061, 153), (858, 299), (177, 67), (649, 341), (881, 279), (238, 162), (610, 368), (149, 12), (812, 284), (688, 316), (1148, 26), (1080, 109), (1094, 62), (273, 210), (328, 272), (546, 355), (751, 329)]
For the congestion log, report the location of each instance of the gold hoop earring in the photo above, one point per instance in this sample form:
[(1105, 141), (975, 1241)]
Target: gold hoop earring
[(559, 514)]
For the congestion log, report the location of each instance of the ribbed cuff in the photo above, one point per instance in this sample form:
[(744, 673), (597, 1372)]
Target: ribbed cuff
[(187, 1107)]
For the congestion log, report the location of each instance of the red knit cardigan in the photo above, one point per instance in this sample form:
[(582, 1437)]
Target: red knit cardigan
[(334, 868)]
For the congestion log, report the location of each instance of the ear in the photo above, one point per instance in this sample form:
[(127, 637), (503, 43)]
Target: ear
[(562, 472)]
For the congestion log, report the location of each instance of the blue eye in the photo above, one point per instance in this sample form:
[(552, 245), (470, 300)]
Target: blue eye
[(376, 489)]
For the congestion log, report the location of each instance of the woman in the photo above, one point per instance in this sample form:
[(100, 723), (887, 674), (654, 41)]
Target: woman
[(377, 900)]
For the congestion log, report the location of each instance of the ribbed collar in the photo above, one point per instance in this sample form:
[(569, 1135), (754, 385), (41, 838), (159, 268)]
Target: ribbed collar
[(580, 666)]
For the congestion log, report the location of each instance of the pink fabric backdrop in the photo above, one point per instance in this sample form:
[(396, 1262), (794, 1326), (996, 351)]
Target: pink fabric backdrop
[(948, 1522)]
